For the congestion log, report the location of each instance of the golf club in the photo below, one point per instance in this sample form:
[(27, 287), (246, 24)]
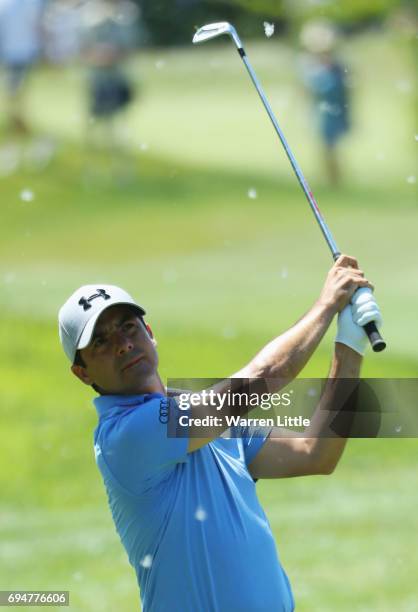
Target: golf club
[(213, 30)]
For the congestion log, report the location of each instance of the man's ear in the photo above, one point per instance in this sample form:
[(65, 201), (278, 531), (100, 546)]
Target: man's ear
[(81, 373), (150, 334)]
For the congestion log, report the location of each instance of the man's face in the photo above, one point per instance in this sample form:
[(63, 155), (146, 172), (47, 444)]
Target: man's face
[(121, 358)]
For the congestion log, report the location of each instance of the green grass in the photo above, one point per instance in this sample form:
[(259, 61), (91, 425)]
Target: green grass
[(220, 274)]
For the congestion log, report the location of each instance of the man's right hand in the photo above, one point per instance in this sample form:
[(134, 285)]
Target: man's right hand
[(342, 281)]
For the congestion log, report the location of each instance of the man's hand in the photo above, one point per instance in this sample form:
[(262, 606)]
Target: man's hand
[(363, 308), (342, 281)]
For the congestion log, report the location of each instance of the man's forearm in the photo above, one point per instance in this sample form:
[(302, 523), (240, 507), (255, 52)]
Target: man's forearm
[(333, 417), (285, 356)]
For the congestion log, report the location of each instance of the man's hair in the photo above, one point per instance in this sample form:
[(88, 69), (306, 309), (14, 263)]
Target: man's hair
[(78, 360)]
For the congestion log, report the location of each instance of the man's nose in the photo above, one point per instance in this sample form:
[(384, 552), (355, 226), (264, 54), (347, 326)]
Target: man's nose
[(123, 343)]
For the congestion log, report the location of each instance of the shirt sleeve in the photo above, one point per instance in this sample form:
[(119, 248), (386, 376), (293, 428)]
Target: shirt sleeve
[(137, 448), (253, 439)]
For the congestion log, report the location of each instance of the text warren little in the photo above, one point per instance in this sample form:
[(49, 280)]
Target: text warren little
[(235, 421)]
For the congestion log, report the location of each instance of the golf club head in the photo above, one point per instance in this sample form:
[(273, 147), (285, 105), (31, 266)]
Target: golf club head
[(213, 30)]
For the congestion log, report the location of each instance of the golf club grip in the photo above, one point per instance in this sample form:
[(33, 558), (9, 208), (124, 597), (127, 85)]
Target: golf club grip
[(376, 340)]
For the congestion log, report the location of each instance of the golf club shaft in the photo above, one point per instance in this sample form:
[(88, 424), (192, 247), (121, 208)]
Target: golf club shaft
[(302, 181), (377, 342)]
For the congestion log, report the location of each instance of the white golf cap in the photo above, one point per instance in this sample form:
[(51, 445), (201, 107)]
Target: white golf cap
[(78, 316)]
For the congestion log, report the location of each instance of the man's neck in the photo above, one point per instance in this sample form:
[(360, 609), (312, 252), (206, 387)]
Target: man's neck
[(153, 384)]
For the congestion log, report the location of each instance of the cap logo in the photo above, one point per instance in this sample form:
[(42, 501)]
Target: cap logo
[(85, 302)]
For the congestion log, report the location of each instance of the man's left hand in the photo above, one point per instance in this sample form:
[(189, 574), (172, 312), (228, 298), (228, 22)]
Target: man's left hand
[(354, 316)]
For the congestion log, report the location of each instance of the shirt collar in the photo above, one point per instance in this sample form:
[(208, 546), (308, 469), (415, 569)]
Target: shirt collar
[(112, 405)]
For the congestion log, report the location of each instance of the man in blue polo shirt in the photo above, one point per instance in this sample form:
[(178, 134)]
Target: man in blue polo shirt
[(186, 508)]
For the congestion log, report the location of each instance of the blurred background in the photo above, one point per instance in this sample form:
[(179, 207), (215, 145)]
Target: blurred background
[(131, 157)]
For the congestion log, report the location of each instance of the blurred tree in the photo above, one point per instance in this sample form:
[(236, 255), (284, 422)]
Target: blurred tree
[(174, 21), (343, 12), (269, 8)]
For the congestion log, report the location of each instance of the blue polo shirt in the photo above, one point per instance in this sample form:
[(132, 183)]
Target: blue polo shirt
[(191, 523)]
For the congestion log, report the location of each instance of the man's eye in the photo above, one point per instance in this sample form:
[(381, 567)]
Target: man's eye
[(99, 341), (129, 325)]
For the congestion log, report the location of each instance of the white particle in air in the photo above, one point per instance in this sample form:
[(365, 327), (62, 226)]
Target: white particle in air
[(252, 193), (229, 333), (9, 278), (403, 86), (26, 195), (268, 29), (201, 514), (169, 276), (146, 562)]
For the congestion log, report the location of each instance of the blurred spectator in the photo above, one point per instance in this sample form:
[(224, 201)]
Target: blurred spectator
[(110, 34), (62, 31), (324, 76), (20, 46)]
